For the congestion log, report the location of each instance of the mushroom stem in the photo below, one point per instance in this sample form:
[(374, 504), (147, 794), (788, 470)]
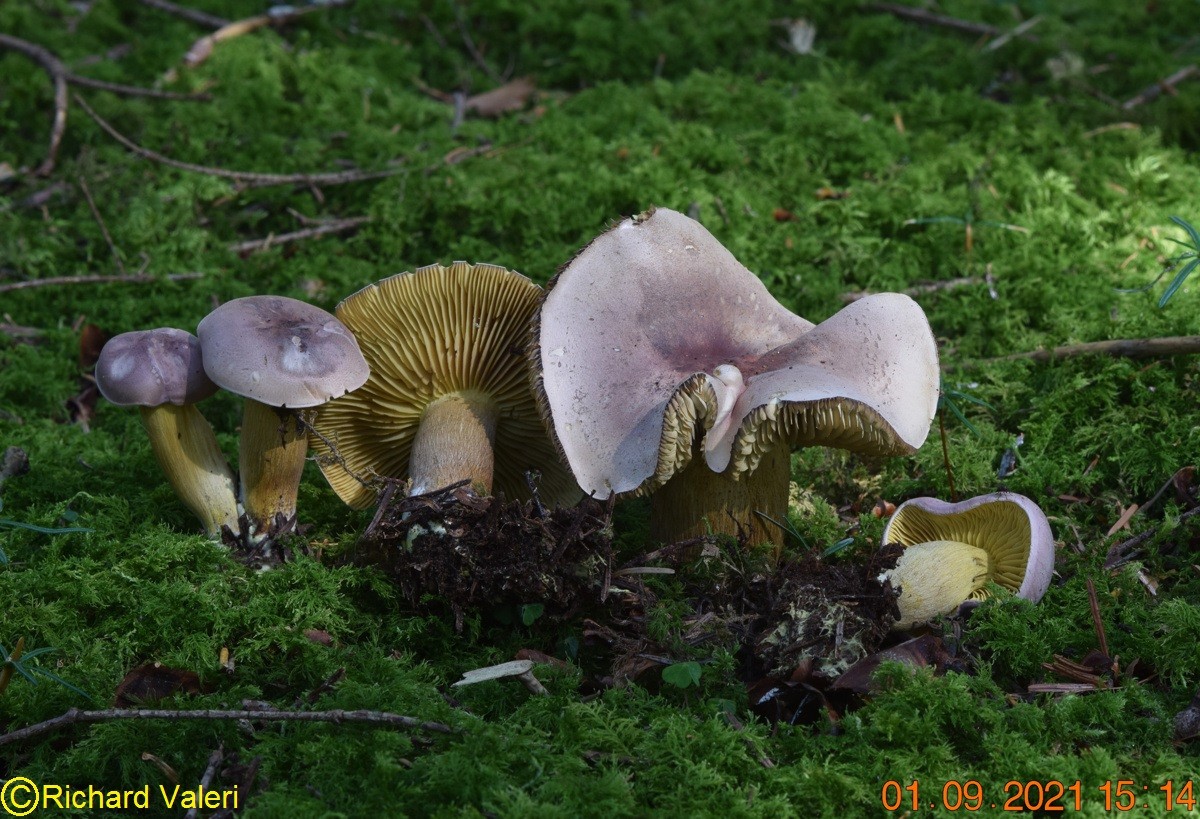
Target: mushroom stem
[(453, 442), (935, 577), (186, 449), (698, 501), (271, 461)]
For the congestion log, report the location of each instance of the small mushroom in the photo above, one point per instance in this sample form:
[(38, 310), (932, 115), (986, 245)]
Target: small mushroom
[(448, 398), (161, 372), (282, 356), (663, 362), (952, 551)]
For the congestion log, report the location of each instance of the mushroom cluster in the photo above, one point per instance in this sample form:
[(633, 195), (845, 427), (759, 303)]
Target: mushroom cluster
[(282, 355), (663, 365)]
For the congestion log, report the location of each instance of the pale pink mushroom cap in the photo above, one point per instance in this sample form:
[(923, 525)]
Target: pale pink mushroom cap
[(281, 352), (655, 333), (149, 368)]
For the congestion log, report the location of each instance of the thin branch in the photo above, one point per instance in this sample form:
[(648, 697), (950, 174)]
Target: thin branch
[(916, 15), (136, 278), (103, 227), (337, 226), (1097, 622), (191, 15), (1119, 553), (248, 177), (476, 55), (1119, 347), (1153, 92), (74, 716), (58, 75), (920, 289), (214, 761), (134, 90)]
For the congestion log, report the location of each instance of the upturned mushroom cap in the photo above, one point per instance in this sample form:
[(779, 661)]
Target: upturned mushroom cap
[(148, 368), (655, 334), (435, 333), (281, 352), (1010, 531)]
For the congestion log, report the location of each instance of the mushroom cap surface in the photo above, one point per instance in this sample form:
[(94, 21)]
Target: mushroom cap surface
[(281, 352), (430, 333), (1011, 528), (654, 334), (149, 368)]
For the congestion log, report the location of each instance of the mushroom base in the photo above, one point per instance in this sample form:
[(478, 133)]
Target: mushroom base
[(186, 449), (698, 502), (454, 443), (271, 460)]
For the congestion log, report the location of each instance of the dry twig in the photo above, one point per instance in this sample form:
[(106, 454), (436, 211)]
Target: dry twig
[(103, 227), (135, 278), (1119, 347), (210, 772), (191, 15), (1167, 85), (922, 16), (322, 229), (920, 289), (75, 716), (245, 177), (58, 75), (61, 77)]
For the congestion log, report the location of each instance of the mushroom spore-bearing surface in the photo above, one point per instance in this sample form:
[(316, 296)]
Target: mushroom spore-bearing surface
[(449, 397), (661, 361), (953, 551)]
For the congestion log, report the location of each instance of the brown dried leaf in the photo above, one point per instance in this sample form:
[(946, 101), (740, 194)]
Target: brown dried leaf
[(91, 341), (154, 681), (512, 96), (919, 652)]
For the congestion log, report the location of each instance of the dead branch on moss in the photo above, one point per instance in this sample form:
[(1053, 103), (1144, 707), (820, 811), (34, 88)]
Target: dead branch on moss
[(1167, 85), (1117, 347), (133, 278), (253, 178), (61, 77), (916, 15), (75, 716), (1126, 550), (58, 76), (116, 254), (202, 49), (210, 772), (920, 289), (323, 229), (135, 90), (191, 15)]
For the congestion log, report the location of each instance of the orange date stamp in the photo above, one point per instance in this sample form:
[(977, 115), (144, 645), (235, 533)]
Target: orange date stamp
[(1051, 796)]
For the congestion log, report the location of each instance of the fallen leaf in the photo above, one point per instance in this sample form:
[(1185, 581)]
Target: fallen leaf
[(512, 96), (152, 682), (919, 652), (1123, 521)]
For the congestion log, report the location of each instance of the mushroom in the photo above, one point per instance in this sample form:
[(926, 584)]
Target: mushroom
[(655, 346), (161, 372), (449, 397), (952, 551), (282, 356)]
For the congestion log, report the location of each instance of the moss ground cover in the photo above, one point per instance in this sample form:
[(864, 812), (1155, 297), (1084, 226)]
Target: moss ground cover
[(921, 131)]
